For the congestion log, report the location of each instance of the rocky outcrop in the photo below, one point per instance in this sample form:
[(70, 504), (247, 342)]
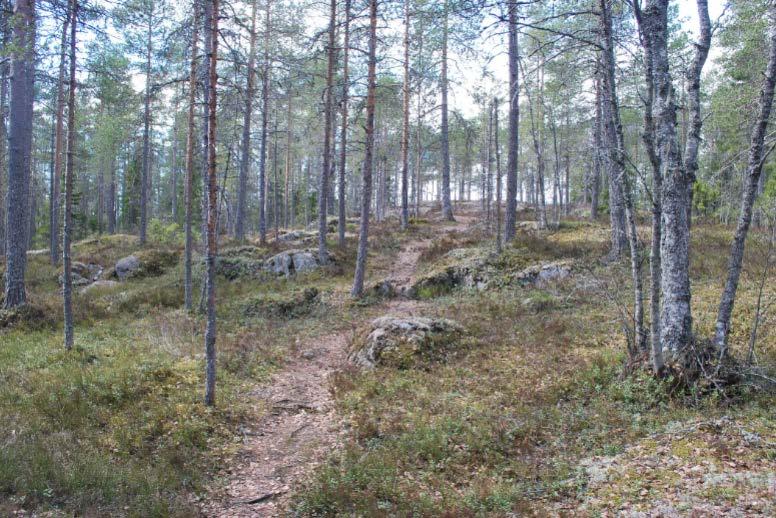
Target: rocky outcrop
[(473, 268), (282, 264), (82, 274), (283, 305), (145, 263), (405, 342), (297, 236)]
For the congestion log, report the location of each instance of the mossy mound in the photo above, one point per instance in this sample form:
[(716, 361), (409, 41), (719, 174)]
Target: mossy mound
[(406, 342), (153, 262), (475, 268), (28, 315), (282, 305)]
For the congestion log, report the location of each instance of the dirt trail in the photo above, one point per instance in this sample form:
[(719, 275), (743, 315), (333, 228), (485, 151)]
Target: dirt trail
[(301, 426)]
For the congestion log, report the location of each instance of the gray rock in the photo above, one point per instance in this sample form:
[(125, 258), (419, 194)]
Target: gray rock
[(279, 264), (126, 267), (304, 262), (83, 274), (542, 274), (405, 342)]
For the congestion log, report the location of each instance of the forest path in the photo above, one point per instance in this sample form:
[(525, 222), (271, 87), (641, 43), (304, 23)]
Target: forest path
[(302, 424)]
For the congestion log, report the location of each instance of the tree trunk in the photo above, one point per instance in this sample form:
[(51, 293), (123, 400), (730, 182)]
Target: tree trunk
[(344, 129), (597, 145), (174, 163), (110, 202), (323, 193), (488, 190), (212, 214), (56, 179), (498, 175), (752, 179), (275, 183), (658, 363), (616, 158), (20, 147), (447, 207), (363, 237), (676, 312), (4, 72), (67, 291), (288, 172), (264, 126), (190, 136), (405, 136), (693, 91), (245, 153), (145, 177), (514, 128)]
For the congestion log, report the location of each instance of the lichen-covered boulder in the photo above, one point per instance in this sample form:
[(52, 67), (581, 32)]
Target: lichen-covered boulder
[(290, 262), (544, 273), (126, 267), (460, 267), (279, 264), (405, 342), (304, 262)]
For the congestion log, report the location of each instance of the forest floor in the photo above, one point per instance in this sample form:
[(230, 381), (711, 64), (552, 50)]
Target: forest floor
[(532, 415), (304, 427)]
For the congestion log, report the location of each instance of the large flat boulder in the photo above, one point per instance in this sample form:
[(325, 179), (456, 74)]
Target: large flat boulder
[(405, 342)]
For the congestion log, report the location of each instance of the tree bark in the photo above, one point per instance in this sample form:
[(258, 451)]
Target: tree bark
[(597, 145), (67, 292), (4, 73), (658, 362), (488, 187), (752, 179), (676, 310), (514, 122), (323, 194), (144, 182), (363, 237), (498, 175), (405, 135), (20, 150), (288, 171), (264, 126), (245, 153), (693, 90), (190, 137), (212, 214), (447, 207), (344, 128), (56, 179), (616, 158)]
